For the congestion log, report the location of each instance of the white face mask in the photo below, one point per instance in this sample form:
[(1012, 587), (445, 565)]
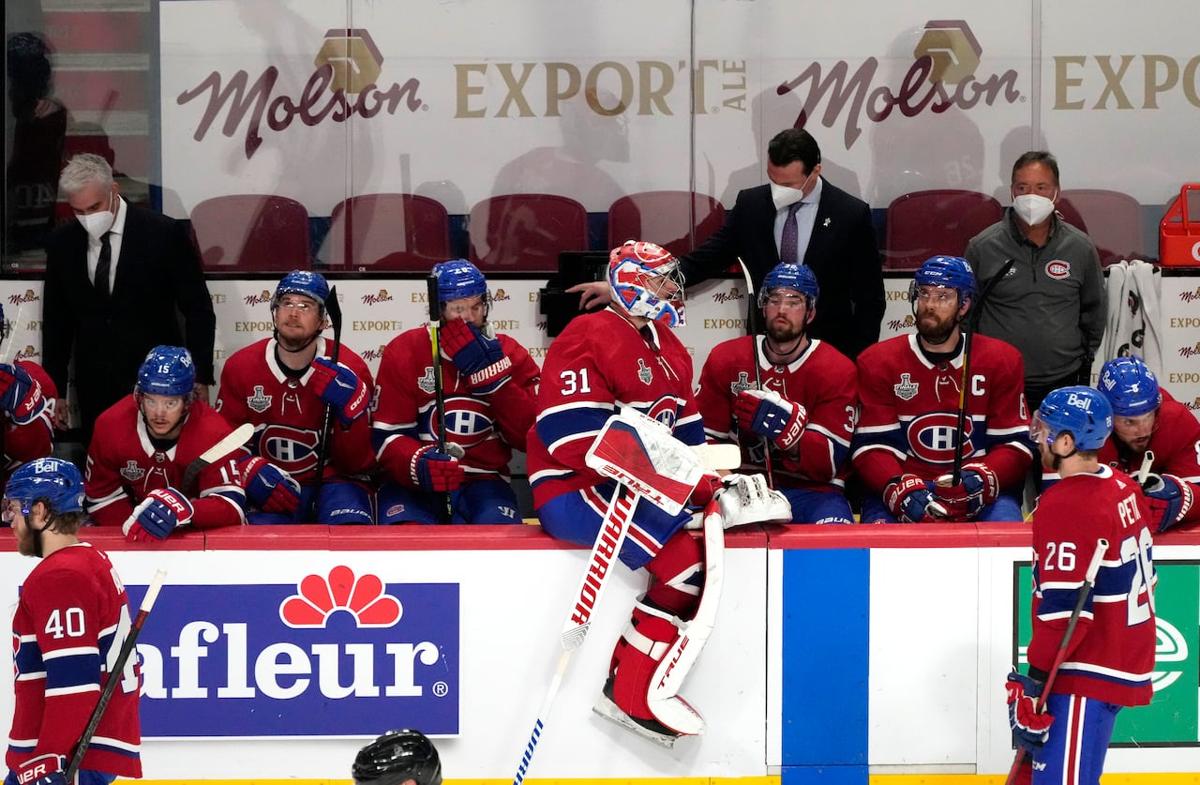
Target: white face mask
[(96, 224), (1033, 208), (786, 196)]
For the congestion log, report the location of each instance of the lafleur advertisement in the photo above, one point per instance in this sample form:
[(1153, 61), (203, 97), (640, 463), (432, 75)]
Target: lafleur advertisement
[(326, 656)]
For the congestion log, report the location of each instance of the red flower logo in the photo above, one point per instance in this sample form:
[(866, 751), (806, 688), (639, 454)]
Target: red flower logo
[(363, 596)]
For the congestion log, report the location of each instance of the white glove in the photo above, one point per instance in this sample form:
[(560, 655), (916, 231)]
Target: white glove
[(747, 499)]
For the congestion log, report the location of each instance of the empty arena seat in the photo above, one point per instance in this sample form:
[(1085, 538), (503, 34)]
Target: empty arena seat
[(677, 220), (251, 232), (927, 223), (388, 232), (1112, 219), (525, 232)]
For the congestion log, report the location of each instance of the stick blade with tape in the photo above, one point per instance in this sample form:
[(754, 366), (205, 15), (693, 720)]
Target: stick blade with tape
[(238, 437)]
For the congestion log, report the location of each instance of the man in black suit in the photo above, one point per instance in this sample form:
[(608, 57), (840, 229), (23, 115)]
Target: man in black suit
[(801, 218), (117, 282)]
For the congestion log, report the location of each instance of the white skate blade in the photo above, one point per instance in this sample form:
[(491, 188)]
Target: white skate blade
[(609, 710)]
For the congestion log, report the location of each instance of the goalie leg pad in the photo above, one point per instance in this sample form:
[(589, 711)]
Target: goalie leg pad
[(627, 692), (677, 577)]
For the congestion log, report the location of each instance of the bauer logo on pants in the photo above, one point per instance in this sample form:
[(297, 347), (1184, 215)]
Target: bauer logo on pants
[(327, 656)]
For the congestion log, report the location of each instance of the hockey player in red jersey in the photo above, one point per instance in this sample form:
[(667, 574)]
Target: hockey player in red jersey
[(27, 396), (1110, 655), (142, 446), (807, 405), (909, 389), (1146, 419), (627, 356), (282, 385), (71, 621), (489, 381)]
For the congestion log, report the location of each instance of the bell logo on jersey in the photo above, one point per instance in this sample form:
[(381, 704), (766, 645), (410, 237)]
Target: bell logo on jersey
[(933, 437), (907, 389), (291, 449), (259, 401), (468, 421), (132, 472)]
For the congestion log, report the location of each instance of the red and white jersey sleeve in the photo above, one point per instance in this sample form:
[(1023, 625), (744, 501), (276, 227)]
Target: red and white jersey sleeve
[(822, 380), (909, 412), (34, 439), (71, 621), (598, 365), (1111, 654)]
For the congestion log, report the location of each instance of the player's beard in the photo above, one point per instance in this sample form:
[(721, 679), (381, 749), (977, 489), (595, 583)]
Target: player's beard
[(783, 339), (934, 330), (29, 542)]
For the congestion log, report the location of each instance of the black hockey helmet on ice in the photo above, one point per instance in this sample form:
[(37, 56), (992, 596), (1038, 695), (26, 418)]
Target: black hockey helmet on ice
[(396, 756)]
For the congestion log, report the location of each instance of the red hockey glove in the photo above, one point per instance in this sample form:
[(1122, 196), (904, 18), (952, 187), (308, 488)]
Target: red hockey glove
[(476, 356), (268, 487), (768, 414), (435, 471), (1170, 499), (1030, 727), (979, 487), (160, 513), (20, 394), (48, 769), (341, 388), (910, 499)]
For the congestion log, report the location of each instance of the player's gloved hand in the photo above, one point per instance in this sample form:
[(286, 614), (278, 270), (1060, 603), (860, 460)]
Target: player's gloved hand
[(769, 414), (746, 498), (1030, 727), (435, 471), (979, 487), (705, 490), (20, 394), (1170, 499), (48, 769), (268, 487), (910, 499), (160, 513), (341, 388), (476, 355)]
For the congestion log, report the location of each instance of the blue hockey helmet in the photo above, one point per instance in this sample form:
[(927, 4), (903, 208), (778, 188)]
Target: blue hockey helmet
[(1081, 411), (303, 282), (457, 279), (790, 276), (634, 270), (1130, 386), (952, 272), (167, 370), (53, 480)]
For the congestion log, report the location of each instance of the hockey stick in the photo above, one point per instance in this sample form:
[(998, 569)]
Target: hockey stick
[(1088, 581), (751, 319), (114, 675), (968, 335), (605, 551), (1144, 470), (334, 309), (446, 509), (236, 438)]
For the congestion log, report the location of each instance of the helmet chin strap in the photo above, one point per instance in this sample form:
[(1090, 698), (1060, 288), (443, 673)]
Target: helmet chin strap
[(308, 343), (782, 356)]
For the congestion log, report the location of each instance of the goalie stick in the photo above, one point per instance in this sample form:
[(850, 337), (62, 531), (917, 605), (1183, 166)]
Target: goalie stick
[(238, 437), (1089, 580), (114, 674)]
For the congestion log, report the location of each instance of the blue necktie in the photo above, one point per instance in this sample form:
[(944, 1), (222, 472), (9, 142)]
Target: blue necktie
[(787, 243)]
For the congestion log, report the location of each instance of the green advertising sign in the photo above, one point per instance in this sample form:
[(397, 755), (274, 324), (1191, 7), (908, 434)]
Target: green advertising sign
[(1173, 716)]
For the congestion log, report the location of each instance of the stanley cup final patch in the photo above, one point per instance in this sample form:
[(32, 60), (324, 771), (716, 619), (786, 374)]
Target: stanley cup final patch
[(259, 401), (644, 373), (907, 389), (426, 382), (1058, 269), (743, 383)]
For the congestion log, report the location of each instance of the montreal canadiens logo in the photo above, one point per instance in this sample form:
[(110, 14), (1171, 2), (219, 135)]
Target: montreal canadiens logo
[(468, 421), (292, 449), (320, 596), (932, 437), (1058, 269), (665, 410)]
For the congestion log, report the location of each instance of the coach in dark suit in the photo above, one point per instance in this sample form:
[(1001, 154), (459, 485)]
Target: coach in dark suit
[(119, 281), (799, 217)]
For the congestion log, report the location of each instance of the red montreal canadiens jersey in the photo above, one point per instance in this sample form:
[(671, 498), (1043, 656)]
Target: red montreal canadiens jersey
[(32, 440), (1111, 655), (123, 466), (822, 380), (287, 415), (908, 419), (598, 365), (487, 426), (70, 623)]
